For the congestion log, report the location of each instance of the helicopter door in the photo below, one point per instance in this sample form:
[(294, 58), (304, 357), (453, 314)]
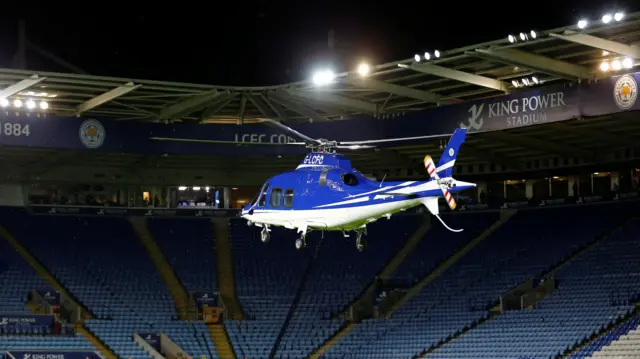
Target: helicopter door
[(262, 196)]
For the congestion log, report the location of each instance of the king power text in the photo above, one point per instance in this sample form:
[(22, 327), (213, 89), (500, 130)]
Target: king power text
[(526, 110)]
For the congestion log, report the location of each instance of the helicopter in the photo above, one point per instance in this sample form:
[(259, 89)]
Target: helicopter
[(324, 193)]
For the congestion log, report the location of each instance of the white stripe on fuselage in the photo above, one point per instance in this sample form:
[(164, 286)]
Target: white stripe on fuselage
[(329, 218)]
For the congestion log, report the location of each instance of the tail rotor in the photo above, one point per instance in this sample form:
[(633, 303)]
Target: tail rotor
[(431, 169)]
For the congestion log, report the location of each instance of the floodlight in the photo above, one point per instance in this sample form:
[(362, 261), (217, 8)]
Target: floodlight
[(4, 102), (322, 78), (606, 18), (616, 65), (618, 16), (604, 67), (17, 103), (582, 24), (364, 69), (627, 63), (31, 104), (44, 105)]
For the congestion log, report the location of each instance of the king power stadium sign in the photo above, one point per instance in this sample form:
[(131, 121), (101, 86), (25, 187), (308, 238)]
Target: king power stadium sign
[(516, 112), (52, 355), (524, 108)]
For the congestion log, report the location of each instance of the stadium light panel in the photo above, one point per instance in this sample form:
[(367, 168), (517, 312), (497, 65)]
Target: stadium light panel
[(416, 57), (427, 56), (182, 188), (606, 18), (618, 16), (17, 103), (627, 63), (44, 105), (604, 67), (31, 104), (533, 34), (583, 24), (436, 54), (511, 38)]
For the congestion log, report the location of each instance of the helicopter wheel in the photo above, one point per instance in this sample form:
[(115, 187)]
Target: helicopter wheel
[(300, 243), (265, 236)]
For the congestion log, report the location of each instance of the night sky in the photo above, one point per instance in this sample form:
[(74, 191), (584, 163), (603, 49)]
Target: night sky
[(267, 42)]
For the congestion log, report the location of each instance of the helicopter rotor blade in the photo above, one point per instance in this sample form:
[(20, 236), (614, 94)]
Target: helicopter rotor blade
[(227, 142), (287, 128), (387, 140), (354, 147)]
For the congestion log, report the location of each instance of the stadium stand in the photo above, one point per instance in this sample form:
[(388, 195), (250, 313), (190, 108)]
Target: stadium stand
[(621, 342), (189, 248), (17, 280), (527, 246), (268, 276), (596, 290), (104, 265), (337, 277), (293, 300)]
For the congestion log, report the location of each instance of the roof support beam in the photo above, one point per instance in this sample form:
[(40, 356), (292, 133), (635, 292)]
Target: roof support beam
[(277, 109), (243, 109), (190, 105), (21, 86), (300, 109), (220, 102), (381, 86), (544, 146), (260, 105), (599, 43), (535, 62), (335, 100), (106, 97), (459, 76)]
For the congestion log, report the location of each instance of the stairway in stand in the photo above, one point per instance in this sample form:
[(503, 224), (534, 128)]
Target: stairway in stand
[(221, 341), (102, 348), (225, 270), (184, 307)]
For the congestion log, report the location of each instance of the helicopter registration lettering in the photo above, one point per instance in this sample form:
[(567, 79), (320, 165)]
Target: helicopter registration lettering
[(262, 138), (314, 160)]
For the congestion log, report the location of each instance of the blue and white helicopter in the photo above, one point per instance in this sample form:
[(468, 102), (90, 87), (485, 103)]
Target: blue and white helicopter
[(324, 193)]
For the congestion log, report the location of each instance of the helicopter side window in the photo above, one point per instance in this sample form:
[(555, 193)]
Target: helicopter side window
[(263, 195), (349, 179), (323, 177), (276, 197), (288, 198)]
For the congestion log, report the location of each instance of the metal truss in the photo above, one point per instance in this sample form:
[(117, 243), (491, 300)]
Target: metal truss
[(473, 72)]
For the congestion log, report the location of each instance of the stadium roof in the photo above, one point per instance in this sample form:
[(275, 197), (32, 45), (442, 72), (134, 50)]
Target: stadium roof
[(483, 70)]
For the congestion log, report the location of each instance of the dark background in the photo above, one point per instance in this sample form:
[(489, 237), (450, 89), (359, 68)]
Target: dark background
[(266, 42)]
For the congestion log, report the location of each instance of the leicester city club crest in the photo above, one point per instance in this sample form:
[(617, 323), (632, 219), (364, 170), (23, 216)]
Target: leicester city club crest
[(625, 92), (92, 133)]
